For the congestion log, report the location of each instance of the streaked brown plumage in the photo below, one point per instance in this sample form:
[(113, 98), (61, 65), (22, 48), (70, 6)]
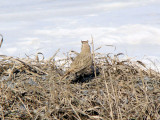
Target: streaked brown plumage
[(83, 63)]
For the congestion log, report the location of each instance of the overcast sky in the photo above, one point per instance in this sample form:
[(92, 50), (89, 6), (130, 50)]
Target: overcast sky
[(31, 26)]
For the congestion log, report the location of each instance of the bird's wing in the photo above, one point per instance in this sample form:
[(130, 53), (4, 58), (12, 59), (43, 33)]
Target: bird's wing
[(81, 61)]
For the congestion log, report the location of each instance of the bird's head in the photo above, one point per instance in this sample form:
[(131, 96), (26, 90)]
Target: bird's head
[(85, 47)]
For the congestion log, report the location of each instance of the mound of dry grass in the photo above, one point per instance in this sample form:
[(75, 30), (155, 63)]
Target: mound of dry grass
[(123, 90)]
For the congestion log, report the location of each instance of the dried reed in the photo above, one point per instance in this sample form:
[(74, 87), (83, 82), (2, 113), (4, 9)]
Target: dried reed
[(124, 90)]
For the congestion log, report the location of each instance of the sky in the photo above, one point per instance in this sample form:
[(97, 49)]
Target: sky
[(31, 26)]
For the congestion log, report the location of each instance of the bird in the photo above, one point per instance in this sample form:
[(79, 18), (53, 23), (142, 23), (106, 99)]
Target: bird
[(83, 62)]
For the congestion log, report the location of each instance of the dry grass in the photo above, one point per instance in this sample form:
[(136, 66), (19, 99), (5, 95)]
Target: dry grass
[(124, 90)]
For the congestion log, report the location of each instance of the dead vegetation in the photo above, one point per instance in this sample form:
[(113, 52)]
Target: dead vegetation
[(1, 40), (124, 90)]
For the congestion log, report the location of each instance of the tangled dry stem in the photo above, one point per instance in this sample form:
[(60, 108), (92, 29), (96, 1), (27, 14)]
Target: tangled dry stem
[(124, 90)]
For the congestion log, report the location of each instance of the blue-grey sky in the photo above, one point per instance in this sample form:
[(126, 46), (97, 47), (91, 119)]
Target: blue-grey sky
[(31, 26)]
